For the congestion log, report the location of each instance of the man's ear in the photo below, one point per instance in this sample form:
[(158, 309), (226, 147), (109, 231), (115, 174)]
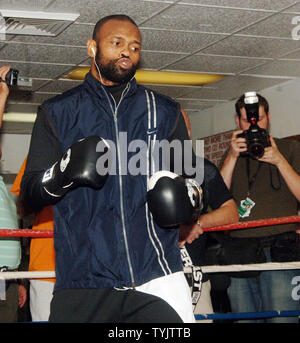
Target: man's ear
[(91, 47)]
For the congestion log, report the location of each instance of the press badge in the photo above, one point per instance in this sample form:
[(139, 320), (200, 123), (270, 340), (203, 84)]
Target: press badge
[(245, 207)]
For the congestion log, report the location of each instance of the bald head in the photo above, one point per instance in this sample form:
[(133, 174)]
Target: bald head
[(102, 21)]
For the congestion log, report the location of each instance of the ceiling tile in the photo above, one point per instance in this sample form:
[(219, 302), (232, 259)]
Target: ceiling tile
[(156, 60), (216, 64), (208, 19), (252, 47), (16, 128), (26, 5), (59, 86), (191, 104), (91, 10), (86, 62), (36, 70), (43, 53), (38, 83), (247, 4), (206, 93), (295, 8), (288, 68), (233, 86), (16, 94), (39, 98), (30, 98), (292, 55), (279, 25), (176, 41), (21, 108)]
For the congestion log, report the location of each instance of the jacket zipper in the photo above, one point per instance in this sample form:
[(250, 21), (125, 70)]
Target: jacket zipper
[(115, 114)]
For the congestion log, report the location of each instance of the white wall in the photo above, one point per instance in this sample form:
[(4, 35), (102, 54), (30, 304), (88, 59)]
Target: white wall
[(284, 101), (14, 150)]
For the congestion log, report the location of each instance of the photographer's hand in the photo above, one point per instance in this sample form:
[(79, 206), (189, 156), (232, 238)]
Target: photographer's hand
[(237, 144), (272, 154), (291, 177), (4, 90)]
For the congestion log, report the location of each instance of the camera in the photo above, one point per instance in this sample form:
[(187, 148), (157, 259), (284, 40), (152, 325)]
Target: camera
[(256, 138), (11, 78)]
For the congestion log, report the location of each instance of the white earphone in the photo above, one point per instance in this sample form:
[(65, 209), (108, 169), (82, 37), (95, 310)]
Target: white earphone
[(95, 63)]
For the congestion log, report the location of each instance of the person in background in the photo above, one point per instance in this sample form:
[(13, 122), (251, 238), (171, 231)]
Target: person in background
[(13, 293), (263, 187), (216, 198), (41, 256)]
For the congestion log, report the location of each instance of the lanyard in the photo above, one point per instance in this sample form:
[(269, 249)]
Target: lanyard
[(253, 178)]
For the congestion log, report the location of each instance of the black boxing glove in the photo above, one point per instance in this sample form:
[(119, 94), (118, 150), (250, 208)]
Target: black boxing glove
[(77, 167), (173, 200)]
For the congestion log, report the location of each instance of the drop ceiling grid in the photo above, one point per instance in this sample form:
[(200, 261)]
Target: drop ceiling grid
[(214, 36)]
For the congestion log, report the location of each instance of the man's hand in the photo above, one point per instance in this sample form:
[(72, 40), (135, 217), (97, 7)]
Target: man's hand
[(272, 154), (237, 144), (4, 90), (189, 232), (22, 295), (290, 176)]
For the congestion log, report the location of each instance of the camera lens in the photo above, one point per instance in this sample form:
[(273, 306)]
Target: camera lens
[(256, 150)]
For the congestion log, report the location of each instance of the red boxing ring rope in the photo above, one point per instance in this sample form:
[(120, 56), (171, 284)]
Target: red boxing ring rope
[(256, 223), (238, 225), (26, 233)]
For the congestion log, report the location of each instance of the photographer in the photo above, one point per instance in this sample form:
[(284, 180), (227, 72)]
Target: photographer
[(10, 248), (266, 186)]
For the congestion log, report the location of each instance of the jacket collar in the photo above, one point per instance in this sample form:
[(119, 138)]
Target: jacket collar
[(98, 89)]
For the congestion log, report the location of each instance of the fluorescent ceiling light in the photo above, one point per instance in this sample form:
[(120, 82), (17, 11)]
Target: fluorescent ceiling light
[(19, 117), (158, 77)]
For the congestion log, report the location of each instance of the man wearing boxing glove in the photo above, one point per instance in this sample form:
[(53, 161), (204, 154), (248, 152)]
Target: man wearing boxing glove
[(114, 263)]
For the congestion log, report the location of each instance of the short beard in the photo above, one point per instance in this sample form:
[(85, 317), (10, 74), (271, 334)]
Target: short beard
[(112, 73)]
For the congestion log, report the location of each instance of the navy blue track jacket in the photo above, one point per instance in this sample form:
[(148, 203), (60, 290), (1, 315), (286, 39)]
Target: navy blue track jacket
[(107, 237)]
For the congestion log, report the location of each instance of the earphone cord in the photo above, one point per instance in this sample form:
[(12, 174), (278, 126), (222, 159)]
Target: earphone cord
[(96, 65)]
